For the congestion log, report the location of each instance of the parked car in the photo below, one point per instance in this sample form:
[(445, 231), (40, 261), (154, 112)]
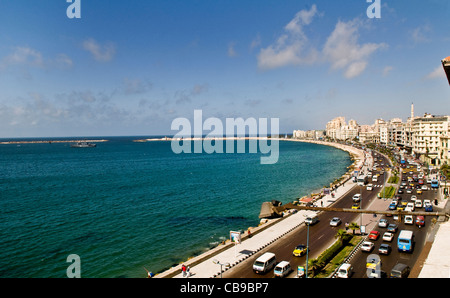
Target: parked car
[(388, 236), (335, 221), (367, 246), (384, 249), (374, 235), (392, 206)]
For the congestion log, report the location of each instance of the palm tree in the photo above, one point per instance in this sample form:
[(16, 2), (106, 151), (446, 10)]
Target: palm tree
[(341, 235), (314, 265), (353, 226)]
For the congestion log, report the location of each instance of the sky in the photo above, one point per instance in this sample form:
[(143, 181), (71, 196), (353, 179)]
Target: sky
[(132, 67)]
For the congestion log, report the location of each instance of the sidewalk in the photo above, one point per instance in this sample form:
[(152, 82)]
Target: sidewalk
[(203, 266)]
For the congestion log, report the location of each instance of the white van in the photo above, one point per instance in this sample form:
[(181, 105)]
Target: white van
[(282, 269), (311, 220), (345, 271), (264, 263)]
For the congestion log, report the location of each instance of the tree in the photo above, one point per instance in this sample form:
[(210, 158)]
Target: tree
[(353, 226), (341, 236), (314, 265)]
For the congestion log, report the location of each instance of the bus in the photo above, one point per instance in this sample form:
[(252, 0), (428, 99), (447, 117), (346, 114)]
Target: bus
[(434, 183), (362, 180), (405, 241)]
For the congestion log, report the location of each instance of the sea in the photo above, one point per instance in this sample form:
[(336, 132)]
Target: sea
[(125, 207)]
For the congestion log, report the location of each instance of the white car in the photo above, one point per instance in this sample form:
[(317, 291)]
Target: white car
[(335, 221), (409, 219), (424, 187), (426, 202), (413, 197), (388, 236), (369, 187), (367, 246), (383, 223), (409, 207), (418, 204), (357, 197)]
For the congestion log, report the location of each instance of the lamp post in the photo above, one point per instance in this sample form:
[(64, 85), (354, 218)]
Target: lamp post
[(215, 261)]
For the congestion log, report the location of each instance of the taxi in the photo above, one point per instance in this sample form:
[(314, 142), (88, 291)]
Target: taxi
[(299, 250), (355, 206)]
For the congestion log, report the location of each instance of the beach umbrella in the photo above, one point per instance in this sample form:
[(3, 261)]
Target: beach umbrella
[(446, 65)]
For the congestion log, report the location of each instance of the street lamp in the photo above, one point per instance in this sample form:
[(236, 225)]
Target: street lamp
[(307, 251), (215, 261)]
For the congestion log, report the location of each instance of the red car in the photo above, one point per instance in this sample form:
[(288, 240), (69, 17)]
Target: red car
[(374, 235), (420, 221)]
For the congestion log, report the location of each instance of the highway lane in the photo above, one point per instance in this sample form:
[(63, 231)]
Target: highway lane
[(322, 235), (388, 262)]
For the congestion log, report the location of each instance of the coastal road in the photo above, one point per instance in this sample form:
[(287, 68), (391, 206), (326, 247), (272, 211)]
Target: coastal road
[(388, 262), (321, 235)]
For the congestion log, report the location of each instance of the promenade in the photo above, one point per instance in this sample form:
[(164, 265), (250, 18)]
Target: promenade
[(205, 265)]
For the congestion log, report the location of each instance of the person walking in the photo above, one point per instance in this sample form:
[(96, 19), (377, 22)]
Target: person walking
[(183, 269)]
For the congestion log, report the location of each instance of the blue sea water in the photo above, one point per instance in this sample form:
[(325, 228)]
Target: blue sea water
[(125, 205)]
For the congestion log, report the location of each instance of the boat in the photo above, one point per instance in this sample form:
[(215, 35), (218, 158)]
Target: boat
[(83, 145)]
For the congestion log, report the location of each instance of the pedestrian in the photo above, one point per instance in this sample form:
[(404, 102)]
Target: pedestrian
[(183, 269), (188, 271), (321, 203)]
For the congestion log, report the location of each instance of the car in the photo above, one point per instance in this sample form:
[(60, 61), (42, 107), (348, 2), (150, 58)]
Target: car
[(299, 250), (388, 236), (419, 191), (409, 220), (413, 198), (400, 191), (424, 187), (392, 206), (409, 207), (383, 223), (420, 181), (392, 228), (409, 190), (428, 207), (418, 204), (374, 235), (369, 187), (426, 202), (355, 206), (373, 263), (384, 249), (311, 220), (429, 180), (367, 246), (357, 197), (420, 221), (282, 269), (335, 221), (402, 206)]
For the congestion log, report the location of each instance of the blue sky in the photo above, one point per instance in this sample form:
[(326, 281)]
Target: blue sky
[(132, 67)]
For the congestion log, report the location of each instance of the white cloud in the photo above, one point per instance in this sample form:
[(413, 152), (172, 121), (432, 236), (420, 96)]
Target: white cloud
[(437, 73), (231, 50), (387, 70), (102, 53), (23, 56), (291, 48), (420, 34), (343, 51)]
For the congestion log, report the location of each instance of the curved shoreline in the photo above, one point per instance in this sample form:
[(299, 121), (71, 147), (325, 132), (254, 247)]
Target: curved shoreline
[(358, 158)]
